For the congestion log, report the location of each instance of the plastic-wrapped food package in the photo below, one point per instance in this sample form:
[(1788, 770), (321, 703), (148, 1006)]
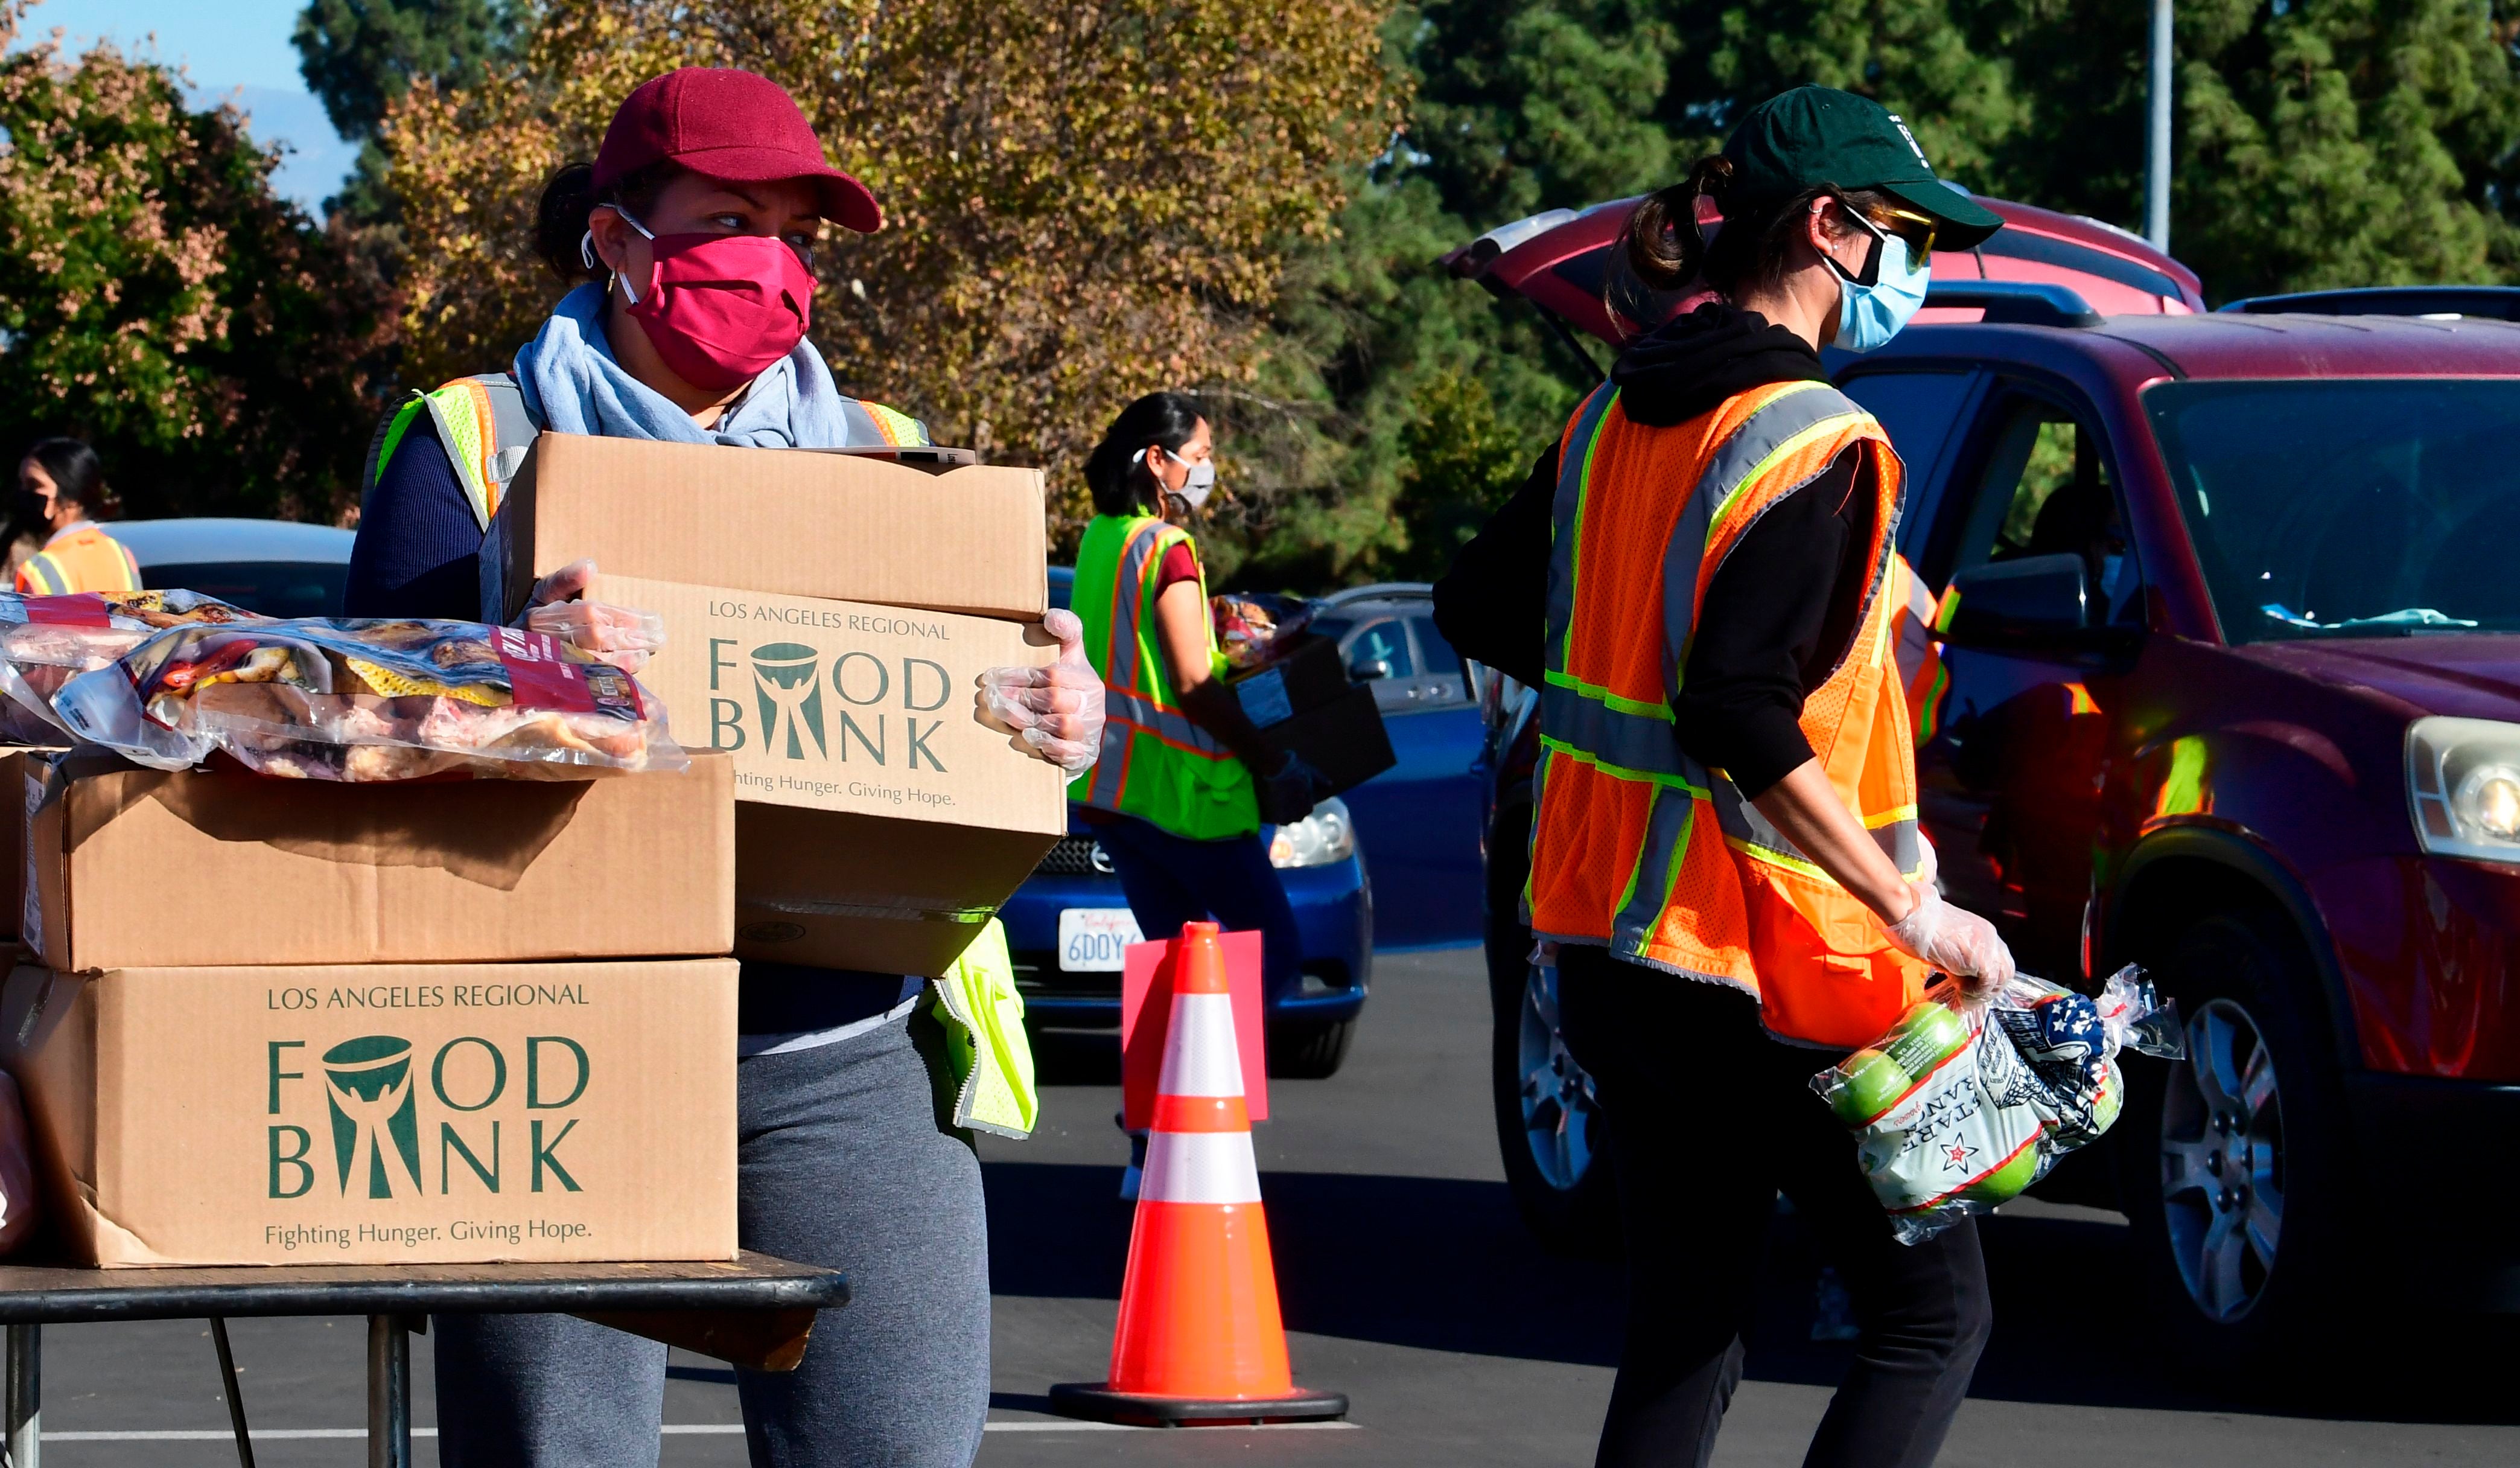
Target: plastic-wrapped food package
[(376, 699), (1964, 1103), (45, 641), (1253, 627)]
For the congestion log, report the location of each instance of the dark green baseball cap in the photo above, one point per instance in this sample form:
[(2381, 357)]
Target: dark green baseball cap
[(1812, 136)]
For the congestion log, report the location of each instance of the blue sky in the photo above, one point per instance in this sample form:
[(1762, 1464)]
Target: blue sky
[(233, 50)]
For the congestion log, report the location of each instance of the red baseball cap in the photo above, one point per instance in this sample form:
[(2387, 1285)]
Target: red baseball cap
[(739, 127)]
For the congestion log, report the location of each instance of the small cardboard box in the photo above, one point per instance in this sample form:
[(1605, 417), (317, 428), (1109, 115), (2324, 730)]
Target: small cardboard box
[(382, 1113), (1308, 677), (788, 521), (878, 822), (137, 868), (1343, 739)]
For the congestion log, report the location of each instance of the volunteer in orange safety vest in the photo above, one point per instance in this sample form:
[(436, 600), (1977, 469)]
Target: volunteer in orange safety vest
[(1725, 852), (61, 487)]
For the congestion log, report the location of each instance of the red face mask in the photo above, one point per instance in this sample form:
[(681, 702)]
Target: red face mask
[(721, 308)]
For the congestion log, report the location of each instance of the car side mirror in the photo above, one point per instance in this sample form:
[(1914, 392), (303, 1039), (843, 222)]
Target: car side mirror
[(1365, 669), (2032, 601)]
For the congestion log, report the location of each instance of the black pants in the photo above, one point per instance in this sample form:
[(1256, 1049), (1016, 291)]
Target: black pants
[(1710, 1119), (1170, 880)]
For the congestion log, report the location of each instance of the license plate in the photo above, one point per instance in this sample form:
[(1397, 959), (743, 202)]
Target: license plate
[(1096, 940)]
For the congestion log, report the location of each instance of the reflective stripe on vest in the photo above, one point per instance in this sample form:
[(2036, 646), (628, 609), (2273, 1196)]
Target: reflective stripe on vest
[(1636, 845), (1155, 762), (483, 424), (83, 559), (1920, 653)]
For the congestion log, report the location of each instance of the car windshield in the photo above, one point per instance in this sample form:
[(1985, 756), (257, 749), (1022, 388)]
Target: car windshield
[(273, 589), (2348, 507)]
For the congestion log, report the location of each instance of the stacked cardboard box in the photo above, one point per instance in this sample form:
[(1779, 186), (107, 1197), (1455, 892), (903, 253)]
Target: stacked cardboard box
[(827, 616), (277, 1022)]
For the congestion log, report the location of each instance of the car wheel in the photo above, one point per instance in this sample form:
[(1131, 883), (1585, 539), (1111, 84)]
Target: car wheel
[(2233, 1172), (1310, 1049), (1549, 1126)]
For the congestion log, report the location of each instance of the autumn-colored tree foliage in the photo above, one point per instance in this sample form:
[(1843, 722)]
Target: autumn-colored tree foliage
[(156, 299), (1084, 200)]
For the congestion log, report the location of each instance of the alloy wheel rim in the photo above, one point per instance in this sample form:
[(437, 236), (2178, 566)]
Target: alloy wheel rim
[(2223, 1161), (1559, 1110)]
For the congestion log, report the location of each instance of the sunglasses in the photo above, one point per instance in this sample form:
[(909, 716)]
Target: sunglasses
[(1915, 230)]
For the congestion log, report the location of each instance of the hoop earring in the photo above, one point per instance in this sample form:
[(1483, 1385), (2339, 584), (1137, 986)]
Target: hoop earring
[(586, 249)]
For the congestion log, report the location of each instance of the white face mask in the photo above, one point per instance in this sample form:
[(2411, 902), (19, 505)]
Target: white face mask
[(1202, 483)]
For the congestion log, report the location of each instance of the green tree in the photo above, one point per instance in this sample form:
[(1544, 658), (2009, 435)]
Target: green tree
[(157, 299), (2320, 141), (1084, 200), (359, 56)]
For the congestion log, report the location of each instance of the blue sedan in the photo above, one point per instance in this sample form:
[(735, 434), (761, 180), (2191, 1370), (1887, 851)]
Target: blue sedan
[(1069, 921), (1424, 817)]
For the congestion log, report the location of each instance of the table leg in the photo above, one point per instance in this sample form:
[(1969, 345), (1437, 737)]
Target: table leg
[(389, 1393), (233, 1390), (25, 1406)]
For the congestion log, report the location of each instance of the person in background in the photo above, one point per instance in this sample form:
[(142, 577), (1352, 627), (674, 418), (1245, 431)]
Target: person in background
[(688, 243), (1700, 578), (1172, 798), (62, 489)]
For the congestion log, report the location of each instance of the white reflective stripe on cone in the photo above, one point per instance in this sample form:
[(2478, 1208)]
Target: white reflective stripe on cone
[(1199, 1055), (1200, 1167)]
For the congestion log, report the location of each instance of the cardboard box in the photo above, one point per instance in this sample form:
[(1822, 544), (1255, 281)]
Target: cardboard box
[(878, 822), (1344, 739), (792, 523), (1309, 675), (135, 868), (384, 1113)]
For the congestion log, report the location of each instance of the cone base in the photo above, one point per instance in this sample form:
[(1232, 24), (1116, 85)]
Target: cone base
[(1095, 1402)]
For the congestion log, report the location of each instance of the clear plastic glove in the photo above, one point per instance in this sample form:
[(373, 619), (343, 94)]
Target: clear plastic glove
[(622, 637), (1929, 867), (1957, 941), (1054, 712), (619, 635), (565, 585)]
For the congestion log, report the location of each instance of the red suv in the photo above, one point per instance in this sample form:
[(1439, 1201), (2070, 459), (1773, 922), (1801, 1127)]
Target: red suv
[(2231, 689)]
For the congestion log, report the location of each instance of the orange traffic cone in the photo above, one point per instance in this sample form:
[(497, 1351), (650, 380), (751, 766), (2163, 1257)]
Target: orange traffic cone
[(1199, 1339)]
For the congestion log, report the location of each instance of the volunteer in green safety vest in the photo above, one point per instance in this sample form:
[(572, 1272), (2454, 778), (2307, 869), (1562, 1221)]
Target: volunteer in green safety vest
[(688, 243), (1171, 800)]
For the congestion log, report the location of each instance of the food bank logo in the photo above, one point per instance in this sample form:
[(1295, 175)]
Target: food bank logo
[(376, 1090), (375, 1116), (787, 678), (860, 708)]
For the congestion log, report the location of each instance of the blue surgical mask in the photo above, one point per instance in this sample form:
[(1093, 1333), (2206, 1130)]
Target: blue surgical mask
[(1868, 316)]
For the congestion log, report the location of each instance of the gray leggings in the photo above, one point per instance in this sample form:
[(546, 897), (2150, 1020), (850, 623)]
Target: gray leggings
[(842, 1161)]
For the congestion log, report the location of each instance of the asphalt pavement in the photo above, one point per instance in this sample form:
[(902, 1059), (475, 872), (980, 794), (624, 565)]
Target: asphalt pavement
[(1410, 1285)]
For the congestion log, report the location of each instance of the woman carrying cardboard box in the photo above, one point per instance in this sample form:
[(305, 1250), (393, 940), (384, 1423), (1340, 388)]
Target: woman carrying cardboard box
[(693, 233)]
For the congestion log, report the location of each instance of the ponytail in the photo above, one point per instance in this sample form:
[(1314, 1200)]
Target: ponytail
[(1666, 250), (1665, 246), (1116, 471)]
